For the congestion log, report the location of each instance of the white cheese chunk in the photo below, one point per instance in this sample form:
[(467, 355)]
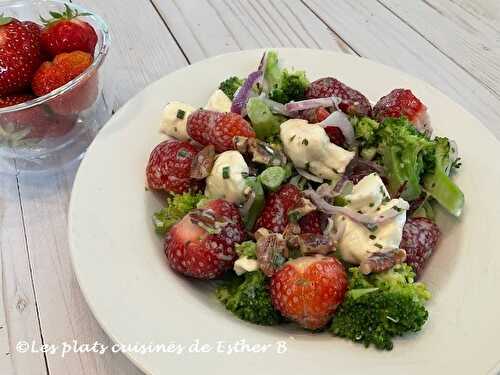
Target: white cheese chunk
[(219, 101), (227, 178), (309, 147), (245, 264), (174, 120), (369, 196)]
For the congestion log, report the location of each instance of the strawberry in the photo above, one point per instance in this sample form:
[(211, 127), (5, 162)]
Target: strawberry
[(420, 238), (308, 290), (169, 167), (315, 115), (401, 102), (353, 102), (10, 100), (217, 128), (311, 223), (335, 134), (65, 33), (201, 245), (275, 214), (20, 54), (64, 68)]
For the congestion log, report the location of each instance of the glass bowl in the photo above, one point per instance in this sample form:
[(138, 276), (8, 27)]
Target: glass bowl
[(54, 130)]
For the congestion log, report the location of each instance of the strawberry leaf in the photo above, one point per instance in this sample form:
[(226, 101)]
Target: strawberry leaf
[(4, 20)]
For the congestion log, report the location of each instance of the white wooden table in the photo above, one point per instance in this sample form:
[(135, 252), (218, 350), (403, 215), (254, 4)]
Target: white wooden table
[(452, 44)]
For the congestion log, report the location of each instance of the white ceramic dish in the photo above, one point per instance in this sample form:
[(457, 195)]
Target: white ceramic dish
[(123, 273)]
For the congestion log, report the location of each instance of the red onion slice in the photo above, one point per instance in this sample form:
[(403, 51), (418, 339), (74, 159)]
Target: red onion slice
[(243, 94), (308, 175), (365, 219), (331, 101), (341, 121)]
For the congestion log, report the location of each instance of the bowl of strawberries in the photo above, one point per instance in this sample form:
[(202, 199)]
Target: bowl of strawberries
[(51, 105)]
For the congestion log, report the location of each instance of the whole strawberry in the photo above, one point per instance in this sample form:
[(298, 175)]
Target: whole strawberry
[(169, 167), (308, 290), (64, 68), (201, 245), (64, 32), (10, 100), (217, 128), (20, 54), (353, 102)]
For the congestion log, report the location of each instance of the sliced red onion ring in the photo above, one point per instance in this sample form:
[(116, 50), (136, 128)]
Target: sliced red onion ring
[(275, 107), (309, 176), (371, 165), (331, 101), (365, 219), (243, 94), (341, 121)]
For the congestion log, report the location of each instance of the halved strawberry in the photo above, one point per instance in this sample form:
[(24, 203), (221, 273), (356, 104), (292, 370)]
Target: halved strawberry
[(169, 167), (275, 214), (308, 290), (311, 223), (401, 102), (217, 128), (353, 102), (201, 245)]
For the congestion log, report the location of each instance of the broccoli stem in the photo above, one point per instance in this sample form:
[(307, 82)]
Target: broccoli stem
[(445, 191)]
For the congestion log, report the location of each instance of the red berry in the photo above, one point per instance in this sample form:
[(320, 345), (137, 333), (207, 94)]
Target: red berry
[(311, 223), (20, 55), (400, 102), (308, 290), (64, 68), (66, 33), (169, 167), (193, 251), (218, 129), (10, 100), (275, 214), (315, 115), (335, 134), (420, 238), (353, 102)]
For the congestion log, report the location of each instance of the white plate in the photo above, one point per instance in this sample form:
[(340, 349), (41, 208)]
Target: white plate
[(136, 298)]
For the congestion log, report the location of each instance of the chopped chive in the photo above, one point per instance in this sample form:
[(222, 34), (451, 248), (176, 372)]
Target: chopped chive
[(379, 246), (305, 142), (225, 173), (372, 236), (181, 114), (292, 138), (182, 153), (371, 204)]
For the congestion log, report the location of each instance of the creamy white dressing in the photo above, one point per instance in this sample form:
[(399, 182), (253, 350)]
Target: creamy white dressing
[(245, 264), (219, 101), (227, 178), (309, 148), (369, 196), (174, 120)]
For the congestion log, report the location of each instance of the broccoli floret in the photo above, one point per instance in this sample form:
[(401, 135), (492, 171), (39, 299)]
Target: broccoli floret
[(402, 149), (246, 249), (283, 85), (248, 298), (231, 85), (437, 182), (177, 206), (379, 307), (365, 130)]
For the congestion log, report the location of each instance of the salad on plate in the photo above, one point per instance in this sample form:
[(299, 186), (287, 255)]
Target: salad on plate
[(306, 203)]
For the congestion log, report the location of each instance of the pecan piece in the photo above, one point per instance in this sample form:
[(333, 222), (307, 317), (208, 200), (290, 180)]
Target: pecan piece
[(379, 262), (203, 163)]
